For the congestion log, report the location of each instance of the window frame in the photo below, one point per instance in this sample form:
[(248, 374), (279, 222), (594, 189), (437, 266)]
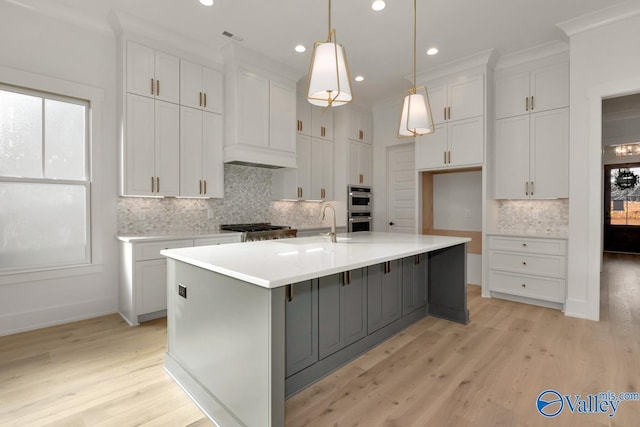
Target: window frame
[(66, 91)]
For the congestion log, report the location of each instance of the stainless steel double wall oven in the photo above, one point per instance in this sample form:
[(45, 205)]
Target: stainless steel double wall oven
[(359, 206)]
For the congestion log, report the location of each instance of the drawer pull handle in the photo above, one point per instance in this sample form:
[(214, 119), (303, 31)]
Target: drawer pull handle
[(524, 262), (524, 245), (524, 285)]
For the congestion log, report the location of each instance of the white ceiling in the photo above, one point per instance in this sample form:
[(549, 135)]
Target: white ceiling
[(378, 44)]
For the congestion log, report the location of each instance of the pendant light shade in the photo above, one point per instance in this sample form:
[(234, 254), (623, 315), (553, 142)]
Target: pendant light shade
[(416, 114), (328, 81), (416, 118)]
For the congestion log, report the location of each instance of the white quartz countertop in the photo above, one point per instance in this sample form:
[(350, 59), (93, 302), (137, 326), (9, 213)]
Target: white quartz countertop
[(174, 236), (276, 263)]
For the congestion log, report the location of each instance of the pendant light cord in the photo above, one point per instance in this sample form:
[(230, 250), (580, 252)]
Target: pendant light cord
[(414, 44), (329, 32)]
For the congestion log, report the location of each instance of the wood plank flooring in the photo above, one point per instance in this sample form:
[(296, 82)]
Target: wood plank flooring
[(101, 372)]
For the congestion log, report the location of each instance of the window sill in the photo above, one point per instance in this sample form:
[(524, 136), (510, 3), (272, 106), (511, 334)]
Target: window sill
[(13, 277)]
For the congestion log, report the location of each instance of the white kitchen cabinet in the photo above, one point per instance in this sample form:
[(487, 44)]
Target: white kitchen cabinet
[(528, 269), (152, 73), (539, 89), (360, 124), (313, 178), (455, 144), (201, 163), (313, 121), (152, 147), (360, 163), (532, 156), (457, 98), (253, 109), (143, 274), (200, 87)]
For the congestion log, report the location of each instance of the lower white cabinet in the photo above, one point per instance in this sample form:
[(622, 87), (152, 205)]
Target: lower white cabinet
[(528, 269), (143, 274)]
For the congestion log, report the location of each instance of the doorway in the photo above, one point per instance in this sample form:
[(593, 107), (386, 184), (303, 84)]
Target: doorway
[(621, 229), (401, 189)]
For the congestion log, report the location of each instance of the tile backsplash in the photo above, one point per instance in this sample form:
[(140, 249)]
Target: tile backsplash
[(534, 216), (247, 198)]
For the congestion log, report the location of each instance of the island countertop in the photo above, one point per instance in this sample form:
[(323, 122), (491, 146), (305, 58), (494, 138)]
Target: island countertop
[(275, 263)]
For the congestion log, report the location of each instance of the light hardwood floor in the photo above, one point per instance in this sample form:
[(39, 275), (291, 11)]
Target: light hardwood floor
[(100, 372)]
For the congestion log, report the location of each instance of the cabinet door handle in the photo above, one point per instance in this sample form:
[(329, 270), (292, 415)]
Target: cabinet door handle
[(200, 182), (200, 102), (349, 276), (449, 152), (205, 100), (151, 86), (416, 259), (152, 185), (531, 188), (526, 188), (526, 104), (301, 125), (158, 87), (205, 186), (445, 157), (532, 105), (157, 184), (524, 245), (361, 135), (524, 285), (449, 112), (444, 109), (524, 262), (290, 293)]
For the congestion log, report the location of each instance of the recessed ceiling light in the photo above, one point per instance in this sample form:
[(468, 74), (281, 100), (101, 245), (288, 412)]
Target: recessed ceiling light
[(378, 5), (207, 2), (359, 78), (300, 48), (432, 51)]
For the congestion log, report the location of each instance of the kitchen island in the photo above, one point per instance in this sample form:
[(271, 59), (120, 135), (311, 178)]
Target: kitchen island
[(250, 323)]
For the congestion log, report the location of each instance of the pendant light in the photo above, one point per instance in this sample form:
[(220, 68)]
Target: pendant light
[(328, 81), (416, 118)]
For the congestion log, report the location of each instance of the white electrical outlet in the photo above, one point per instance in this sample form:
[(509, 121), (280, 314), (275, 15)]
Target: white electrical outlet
[(467, 213)]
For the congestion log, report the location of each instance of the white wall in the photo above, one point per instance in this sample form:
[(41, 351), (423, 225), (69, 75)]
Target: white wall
[(604, 62), (41, 45), (457, 201)]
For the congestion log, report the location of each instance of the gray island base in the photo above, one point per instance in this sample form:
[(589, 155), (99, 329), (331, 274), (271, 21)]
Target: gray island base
[(252, 323)]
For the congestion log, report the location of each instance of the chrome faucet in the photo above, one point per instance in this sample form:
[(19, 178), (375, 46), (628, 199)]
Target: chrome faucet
[(332, 233)]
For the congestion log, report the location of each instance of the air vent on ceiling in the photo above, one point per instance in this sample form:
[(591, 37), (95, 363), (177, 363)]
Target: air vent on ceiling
[(232, 36)]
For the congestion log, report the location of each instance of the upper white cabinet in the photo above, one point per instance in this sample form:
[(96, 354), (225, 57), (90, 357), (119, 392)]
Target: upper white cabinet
[(313, 121), (359, 163), (532, 156), (200, 87), (153, 147), (360, 126), (260, 111), (152, 73), (542, 88), (313, 178), (532, 130), (201, 167), (457, 98), (457, 104)]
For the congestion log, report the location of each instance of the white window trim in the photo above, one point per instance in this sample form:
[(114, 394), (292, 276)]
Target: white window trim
[(95, 96)]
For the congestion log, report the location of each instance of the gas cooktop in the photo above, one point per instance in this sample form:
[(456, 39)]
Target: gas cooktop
[(262, 226)]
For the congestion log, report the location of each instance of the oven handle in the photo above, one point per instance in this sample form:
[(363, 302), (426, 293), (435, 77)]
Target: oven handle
[(360, 219)]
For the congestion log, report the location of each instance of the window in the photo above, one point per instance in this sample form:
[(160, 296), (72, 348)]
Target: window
[(45, 187)]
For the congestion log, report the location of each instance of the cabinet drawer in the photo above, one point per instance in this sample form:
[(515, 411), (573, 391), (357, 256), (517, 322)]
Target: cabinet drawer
[(547, 289), (151, 250), (543, 265), (231, 238), (523, 244)]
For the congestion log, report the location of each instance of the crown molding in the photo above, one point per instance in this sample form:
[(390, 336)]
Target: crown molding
[(485, 58), (64, 14), (124, 25), (234, 53), (545, 50), (600, 18)]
